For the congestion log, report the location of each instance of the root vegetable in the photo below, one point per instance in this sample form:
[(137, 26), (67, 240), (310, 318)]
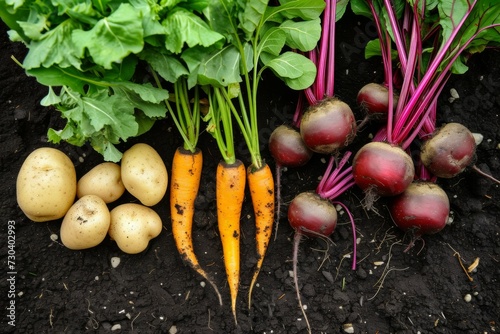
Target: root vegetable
[(310, 215), (104, 180), (423, 208), (86, 223), (133, 226), (328, 126), (144, 174), (309, 212), (185, 183), (287, 147), (46, 185), (449, 151), (261, 185), (383, 169), (374, 99), (230, 192)]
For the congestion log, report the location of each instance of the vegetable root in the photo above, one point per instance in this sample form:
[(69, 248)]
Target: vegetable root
[(261, 184), (185, 182), (230, 192)]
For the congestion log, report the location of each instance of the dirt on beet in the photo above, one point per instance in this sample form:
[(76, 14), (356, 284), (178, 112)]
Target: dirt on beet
[(47, 288)]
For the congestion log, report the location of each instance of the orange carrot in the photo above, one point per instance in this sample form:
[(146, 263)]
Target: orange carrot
[(261, 184), (185, 182), (230, 192)]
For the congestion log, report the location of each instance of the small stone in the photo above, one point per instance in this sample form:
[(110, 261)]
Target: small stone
[(348, 328), (115, 261), (54, 237), (172, 330), (467, 298), (116, 327)]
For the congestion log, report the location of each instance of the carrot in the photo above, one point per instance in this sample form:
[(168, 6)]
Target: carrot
[(261, 184), (230, 192), (185, 182)]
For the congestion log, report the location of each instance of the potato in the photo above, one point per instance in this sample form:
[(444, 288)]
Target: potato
[(86, 223), (46, 185), (104, 180), (144, 174), (133, 225)]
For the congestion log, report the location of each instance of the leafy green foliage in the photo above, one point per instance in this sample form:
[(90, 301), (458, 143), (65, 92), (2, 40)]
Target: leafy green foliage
[(91, 51)]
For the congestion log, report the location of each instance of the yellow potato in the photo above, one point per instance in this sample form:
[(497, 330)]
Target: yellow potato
[(46, 185), (104, 180), (144, 174), (133, 225), (86, 224)]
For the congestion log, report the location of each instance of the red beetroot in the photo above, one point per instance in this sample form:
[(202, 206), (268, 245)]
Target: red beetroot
[(374, 99), (287, 147), (423, 208), (449, 151), (383, 169), (311, 215), (328, 126)]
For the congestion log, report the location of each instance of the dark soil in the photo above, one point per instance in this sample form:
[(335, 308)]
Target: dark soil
[(54, 289)]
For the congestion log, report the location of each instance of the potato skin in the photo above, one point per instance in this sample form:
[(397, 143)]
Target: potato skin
[(46, 185), (144, 174), (133, 226), (104, 180), (86, 223)]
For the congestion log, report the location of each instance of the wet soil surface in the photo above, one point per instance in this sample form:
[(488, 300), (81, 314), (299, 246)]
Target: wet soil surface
[(55, 290)]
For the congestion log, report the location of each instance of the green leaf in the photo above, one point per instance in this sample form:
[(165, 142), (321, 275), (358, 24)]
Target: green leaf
[(152, 110), (218, 67), (55, 47), (184, 27), (340, 9), (109, 151), (372, 49), (50, 99), (167, 66), (294, 9), (307, 78), (113, 37), (252, 14), (361, 7), (56, 77), (302, 35), (288, 65), (451, 13), (272, 42), (146, 91), (82, 11)]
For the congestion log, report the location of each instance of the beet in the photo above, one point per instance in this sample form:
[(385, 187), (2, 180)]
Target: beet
[(374, 99), (288, 148), (383, 169), (311, 215), (449, 151), (423, 208), (328, 126)]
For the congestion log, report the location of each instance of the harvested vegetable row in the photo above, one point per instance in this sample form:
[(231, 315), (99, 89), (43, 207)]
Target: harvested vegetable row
[(230, 189)]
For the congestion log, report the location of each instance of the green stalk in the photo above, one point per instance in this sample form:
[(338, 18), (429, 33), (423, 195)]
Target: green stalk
[(186, 122), (221, 126)]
